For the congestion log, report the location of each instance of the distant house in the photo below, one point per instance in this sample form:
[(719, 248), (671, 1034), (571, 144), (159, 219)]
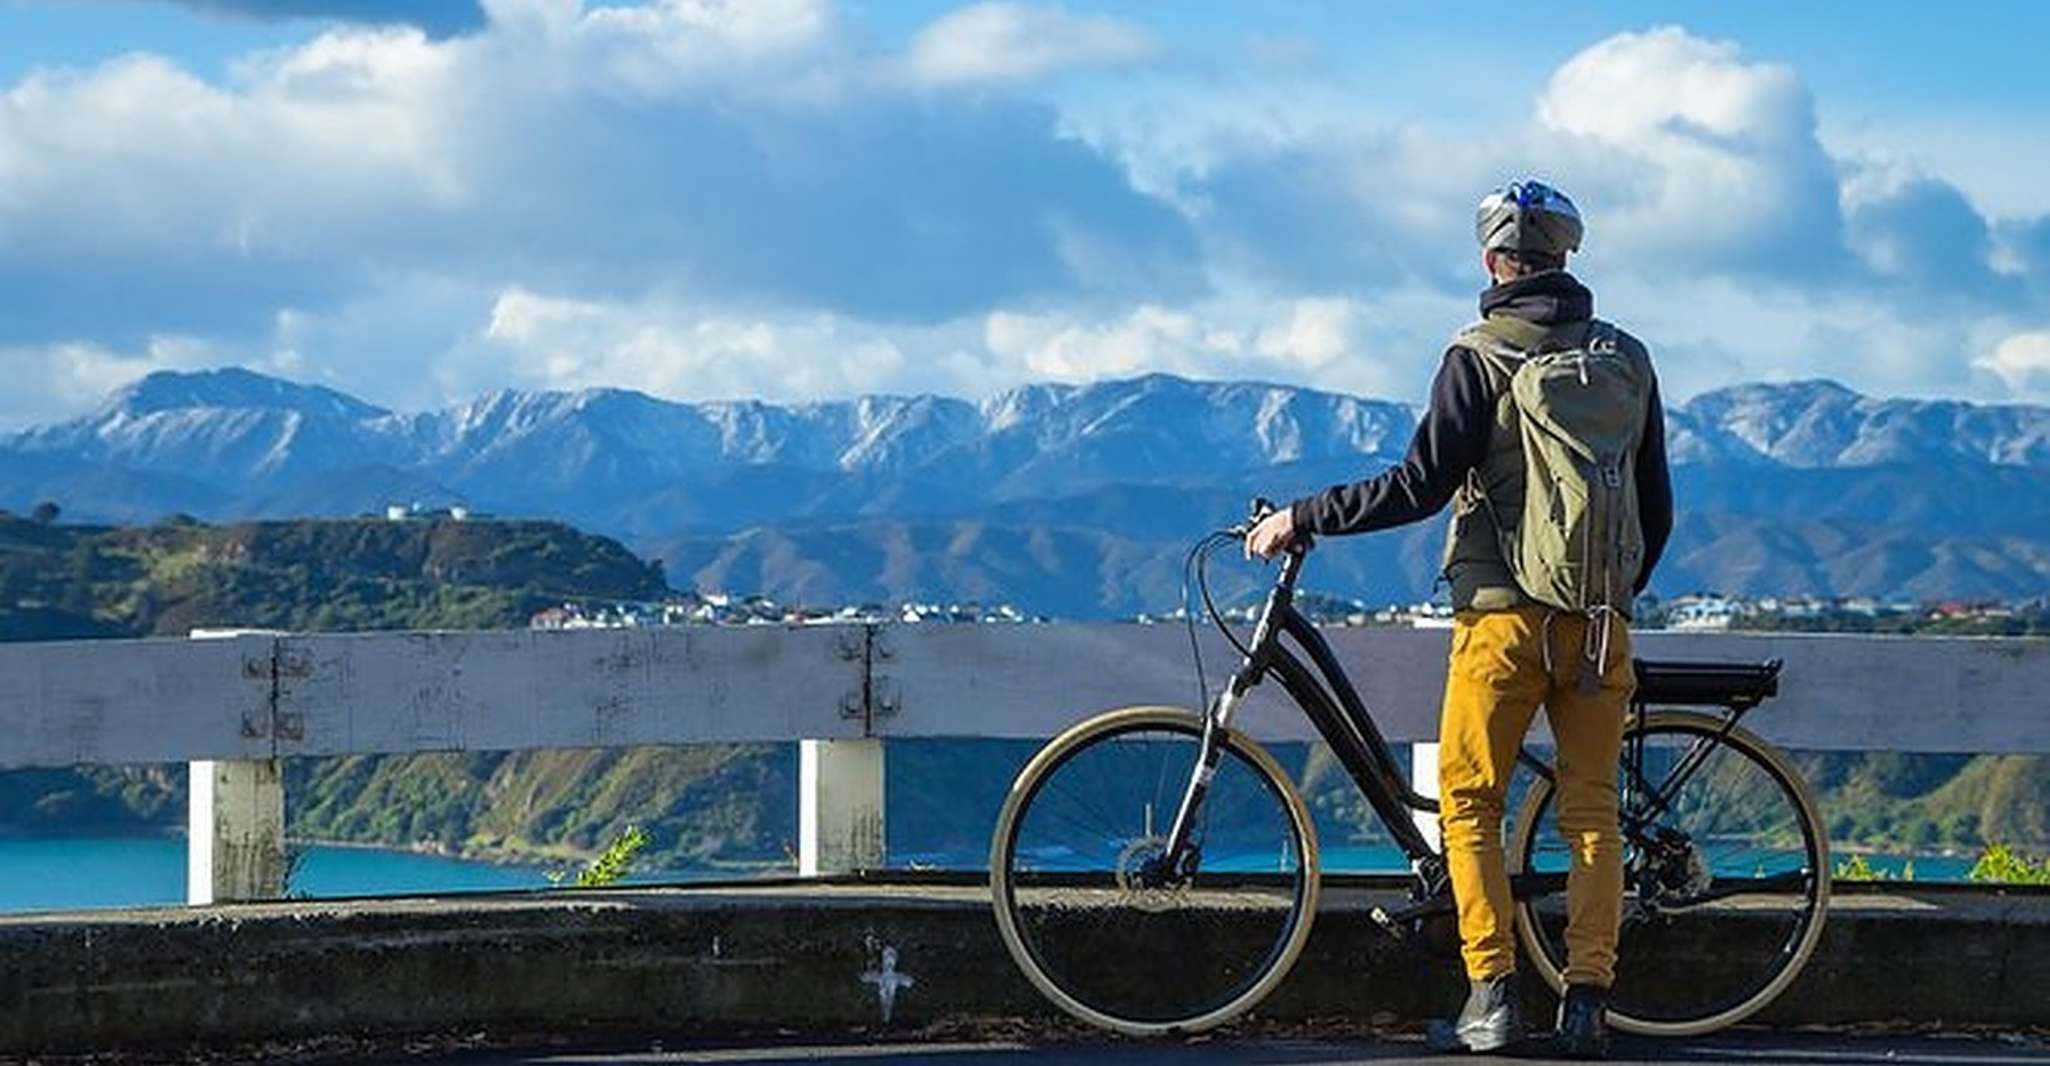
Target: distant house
[(1701, 612), (402, 512)]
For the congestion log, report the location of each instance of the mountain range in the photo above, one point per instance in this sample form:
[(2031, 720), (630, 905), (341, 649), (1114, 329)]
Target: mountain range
[(1068, 500)]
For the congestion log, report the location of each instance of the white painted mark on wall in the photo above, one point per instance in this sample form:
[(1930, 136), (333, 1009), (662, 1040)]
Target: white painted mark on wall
[(888, 982)]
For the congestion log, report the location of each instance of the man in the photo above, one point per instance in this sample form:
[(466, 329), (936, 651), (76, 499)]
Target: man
[(1517, 642)]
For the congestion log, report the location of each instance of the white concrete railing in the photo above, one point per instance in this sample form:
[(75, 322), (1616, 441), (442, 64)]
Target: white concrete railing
[(233, 706)]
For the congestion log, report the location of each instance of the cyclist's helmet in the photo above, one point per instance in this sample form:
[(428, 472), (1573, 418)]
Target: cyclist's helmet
[(1528, 216)]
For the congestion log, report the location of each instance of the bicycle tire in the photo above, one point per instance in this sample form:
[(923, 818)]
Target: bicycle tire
[(1062, 751), (1778, 969)]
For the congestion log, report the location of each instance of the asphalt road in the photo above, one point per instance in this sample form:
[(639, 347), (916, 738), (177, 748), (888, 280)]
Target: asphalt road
[(1793, 1048)]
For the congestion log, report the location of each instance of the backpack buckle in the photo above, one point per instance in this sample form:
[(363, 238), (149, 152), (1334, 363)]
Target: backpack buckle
[(1601, 339)]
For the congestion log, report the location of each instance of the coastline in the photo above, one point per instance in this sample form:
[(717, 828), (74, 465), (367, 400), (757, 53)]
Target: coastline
[(438, 851), (543, 860), (547, 862)]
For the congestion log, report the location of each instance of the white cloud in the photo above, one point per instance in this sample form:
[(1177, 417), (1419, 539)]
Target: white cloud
[(1959, 148), (1007, 42), (543, 341), (85, 371), (1688, 157), (704, 198), (1322, 340), (675, 349), (1149, 338), (2022, 361), (1667, 89), (1692, 152), (1317, 333), (667, 45), (753, 27), (737, 147), (77, 375), (1709, 332)]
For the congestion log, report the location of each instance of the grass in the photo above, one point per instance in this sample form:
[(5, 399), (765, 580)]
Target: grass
[(611, 865), (1999, 864), (2002, 865)]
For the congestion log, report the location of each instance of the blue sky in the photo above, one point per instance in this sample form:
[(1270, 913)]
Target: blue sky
[(802, 199)]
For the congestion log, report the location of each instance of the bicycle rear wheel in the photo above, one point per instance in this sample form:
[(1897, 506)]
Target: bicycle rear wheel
[(1098, 931), (1726, 877)]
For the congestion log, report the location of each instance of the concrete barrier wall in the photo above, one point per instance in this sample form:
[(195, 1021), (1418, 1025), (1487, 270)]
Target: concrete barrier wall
[(825, 957)]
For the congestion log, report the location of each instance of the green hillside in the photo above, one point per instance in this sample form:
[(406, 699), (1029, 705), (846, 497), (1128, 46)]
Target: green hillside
[(701, 804), (1891, 801), (61, 581)]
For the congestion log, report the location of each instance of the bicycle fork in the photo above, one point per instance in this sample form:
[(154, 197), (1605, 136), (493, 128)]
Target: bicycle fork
[(1181, 852)]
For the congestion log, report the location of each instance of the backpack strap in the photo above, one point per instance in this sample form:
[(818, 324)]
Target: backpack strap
[(1519, 335), (1499, 357), (1525, 337)]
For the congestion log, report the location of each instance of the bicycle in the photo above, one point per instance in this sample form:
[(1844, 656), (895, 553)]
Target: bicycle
[(1155, 870)]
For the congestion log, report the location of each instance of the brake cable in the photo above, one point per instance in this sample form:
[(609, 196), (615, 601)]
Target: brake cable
[(1196, 565)]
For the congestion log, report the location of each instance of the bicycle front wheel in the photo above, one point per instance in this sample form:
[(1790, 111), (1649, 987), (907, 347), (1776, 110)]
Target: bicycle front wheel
[(1726, 876), (1107, 937)]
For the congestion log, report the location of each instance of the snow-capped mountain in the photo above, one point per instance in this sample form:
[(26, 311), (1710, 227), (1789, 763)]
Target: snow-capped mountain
[(599, 449), (1075, 494), (231, 427), (1814, 424)]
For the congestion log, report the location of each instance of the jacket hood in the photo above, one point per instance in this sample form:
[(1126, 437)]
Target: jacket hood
[(1548, 298)]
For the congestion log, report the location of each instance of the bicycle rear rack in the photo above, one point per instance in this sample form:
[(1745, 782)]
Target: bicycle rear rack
[(1737, 686)]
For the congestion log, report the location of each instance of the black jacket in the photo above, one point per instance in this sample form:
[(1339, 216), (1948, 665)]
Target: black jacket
[(1453, 435)]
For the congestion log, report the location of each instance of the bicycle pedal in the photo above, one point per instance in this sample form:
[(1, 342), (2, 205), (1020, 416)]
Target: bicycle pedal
[(1393, 925)]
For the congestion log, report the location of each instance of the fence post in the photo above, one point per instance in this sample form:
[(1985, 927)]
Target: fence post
[(235, 832), (1423, 777), (839, 806), (235, 818)]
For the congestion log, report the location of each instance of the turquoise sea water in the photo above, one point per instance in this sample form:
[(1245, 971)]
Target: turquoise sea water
[(81, 872), (74, 872)]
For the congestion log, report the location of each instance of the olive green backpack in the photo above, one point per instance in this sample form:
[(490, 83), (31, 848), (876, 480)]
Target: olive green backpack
[(1579, 400)]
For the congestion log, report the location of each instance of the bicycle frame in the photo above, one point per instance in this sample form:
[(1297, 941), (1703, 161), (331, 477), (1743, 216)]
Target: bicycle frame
[(1320, 687)]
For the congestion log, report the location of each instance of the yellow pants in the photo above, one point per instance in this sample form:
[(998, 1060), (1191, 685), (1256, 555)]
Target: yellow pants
[(1498, 677)]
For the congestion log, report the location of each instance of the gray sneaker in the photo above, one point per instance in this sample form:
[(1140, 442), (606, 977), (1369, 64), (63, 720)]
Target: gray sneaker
[(1490, 1021), (1583, 1025)]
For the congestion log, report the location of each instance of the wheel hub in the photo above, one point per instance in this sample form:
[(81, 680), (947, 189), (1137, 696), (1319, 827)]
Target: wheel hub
[(1677, 871), (1144, 878)]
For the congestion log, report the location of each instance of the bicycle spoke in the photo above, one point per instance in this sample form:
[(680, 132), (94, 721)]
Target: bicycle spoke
[(1721, 876), (1111, 928)]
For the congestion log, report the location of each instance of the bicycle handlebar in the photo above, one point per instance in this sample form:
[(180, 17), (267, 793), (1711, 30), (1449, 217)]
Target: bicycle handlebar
[(1259, 509), (1197, 567)]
